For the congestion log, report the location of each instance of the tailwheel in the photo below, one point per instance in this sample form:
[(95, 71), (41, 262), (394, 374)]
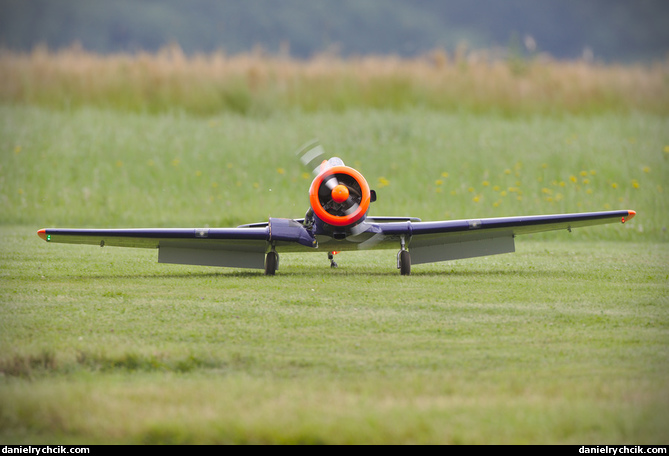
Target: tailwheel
[(271, 263), (331, 258), (404, 262)]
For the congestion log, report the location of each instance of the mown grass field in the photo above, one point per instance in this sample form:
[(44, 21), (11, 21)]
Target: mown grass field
[(565, 341), (561, 342)]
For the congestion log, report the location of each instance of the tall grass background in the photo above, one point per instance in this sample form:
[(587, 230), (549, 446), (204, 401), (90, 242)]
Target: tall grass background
[(258, 83)]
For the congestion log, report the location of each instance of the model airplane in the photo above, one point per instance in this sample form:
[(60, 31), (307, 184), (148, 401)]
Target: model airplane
[(336, 221)]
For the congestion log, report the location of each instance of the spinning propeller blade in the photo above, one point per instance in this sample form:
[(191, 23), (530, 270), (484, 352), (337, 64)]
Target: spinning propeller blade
[(312, 155), (353, 206), (331, 182)]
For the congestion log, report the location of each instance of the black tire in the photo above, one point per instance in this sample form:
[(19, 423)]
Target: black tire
[(405, 262), (271, 261)]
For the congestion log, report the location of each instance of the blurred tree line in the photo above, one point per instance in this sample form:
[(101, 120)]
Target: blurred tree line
[(609, 30)]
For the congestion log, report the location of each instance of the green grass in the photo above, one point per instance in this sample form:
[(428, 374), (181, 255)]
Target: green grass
[(564, 341), (561, 342), (102, 168)]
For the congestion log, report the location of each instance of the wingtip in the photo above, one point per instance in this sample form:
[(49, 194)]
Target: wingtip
[(630, 216), (42, 234)]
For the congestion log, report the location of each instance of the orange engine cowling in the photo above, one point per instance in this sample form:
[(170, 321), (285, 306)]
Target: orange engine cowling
[(340, 196)]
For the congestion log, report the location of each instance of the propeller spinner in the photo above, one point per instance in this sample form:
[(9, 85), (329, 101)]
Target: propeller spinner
[(340, 193)]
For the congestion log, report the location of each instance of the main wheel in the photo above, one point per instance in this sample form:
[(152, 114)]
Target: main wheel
[(271, 263), (405, 262)]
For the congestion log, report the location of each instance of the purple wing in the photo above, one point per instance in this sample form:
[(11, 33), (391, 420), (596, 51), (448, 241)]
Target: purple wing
[(456, 239), (242, 247)]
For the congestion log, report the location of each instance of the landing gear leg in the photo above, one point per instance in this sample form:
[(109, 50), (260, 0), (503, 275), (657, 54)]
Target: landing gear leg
[(331, 258), (404, 259), (271, 262)]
